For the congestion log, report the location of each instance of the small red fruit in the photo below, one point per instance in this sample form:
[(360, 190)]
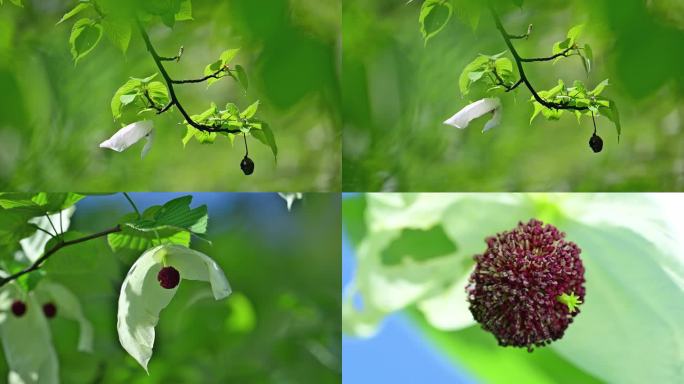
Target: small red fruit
[(168, 277), (18, 308), (50, 310)]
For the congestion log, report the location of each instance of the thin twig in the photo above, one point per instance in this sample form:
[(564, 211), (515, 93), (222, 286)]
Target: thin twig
[(244, 135), (59, 245), (564, 53), (214, 75)]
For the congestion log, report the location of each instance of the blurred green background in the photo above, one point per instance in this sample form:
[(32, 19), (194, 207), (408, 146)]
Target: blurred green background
[(397, 92), (280, 325), (53, 115)]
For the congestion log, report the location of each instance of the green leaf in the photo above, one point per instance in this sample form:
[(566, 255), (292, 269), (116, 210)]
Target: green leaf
[(575, 32), (201, 136), (130, 238), (75, 11), (39, 203), (85, 35), (434, 16), (537, 109), (228, 55), (504, 67), (130, 87), (474, 66), (118, 31), (599, 88), (241, 76), (613, 115), (185, 11), (175, 213), (14, 225), (265, 136), (127, 99), (158, 93), (250, 111)]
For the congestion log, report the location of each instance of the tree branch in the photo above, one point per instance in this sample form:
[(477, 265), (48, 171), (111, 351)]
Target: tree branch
[(59, 245), (521, 70), (564, 53), (214, 75), (172, 93)]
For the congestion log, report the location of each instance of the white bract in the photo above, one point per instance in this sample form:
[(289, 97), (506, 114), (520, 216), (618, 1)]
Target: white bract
[(290, 198), (26, 340), (475, 110), (131, 134), (142, 298), (34, 246)]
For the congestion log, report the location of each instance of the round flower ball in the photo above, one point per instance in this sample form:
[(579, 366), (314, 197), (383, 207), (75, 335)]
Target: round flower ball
[(527, 286)]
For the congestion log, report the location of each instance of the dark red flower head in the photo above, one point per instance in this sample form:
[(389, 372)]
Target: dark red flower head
[(168, 277), (49, 310), (527, 285), (18, 308)]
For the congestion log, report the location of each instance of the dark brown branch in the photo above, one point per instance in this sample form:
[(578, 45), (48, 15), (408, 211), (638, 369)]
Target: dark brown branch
[(521, 70), (564, 53), (61, 244), (214, 75), (172, 92)]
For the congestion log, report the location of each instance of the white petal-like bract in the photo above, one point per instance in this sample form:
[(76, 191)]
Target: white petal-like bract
[(34, 246), (142, 298), (475, 110), (26, 341), (129, 135), (68, 307)]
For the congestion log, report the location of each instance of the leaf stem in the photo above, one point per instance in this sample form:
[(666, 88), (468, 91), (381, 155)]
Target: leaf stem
[(130, 201)]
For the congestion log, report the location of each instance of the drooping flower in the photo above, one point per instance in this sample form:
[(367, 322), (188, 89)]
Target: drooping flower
[(144, 294), (527, 285), (475, 110), (131, 134)]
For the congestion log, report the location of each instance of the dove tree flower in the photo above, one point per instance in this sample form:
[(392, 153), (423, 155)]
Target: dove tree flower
[(131, 134), (476, 110), (145, 292), (26, 336)]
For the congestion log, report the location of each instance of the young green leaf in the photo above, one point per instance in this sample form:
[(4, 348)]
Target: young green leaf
[(250, 111), (613, 115), (75, 11), (464, 81), (85, 35), (118, 31), (434, 16), (265, 136), (241, 76)]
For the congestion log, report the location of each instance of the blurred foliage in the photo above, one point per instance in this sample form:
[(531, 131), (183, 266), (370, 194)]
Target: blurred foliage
[(280, 325), (53, 114), (397, 91)]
